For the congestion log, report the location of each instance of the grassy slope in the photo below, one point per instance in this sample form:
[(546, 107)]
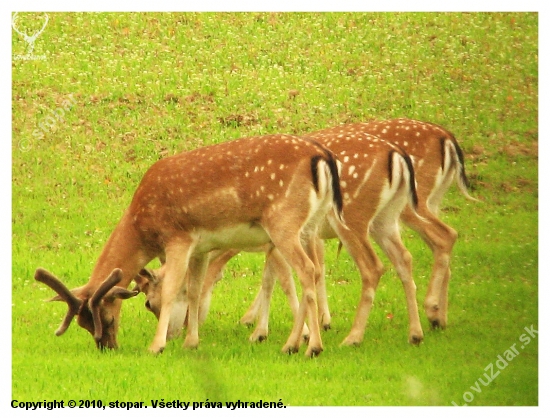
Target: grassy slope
[(150, 85)]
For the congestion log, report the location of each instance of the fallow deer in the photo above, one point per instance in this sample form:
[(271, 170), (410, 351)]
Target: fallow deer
[(272, 190), (438, 161), (377, 182)]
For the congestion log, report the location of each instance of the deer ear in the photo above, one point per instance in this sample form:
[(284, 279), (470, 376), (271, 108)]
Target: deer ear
[(118, 292), (144, 277)]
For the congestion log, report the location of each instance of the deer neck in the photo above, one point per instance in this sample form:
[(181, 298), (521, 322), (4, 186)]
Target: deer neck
[(123, 250)]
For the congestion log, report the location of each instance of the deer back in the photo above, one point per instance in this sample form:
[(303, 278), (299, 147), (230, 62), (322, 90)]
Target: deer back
[(231, 185), (373, 172)]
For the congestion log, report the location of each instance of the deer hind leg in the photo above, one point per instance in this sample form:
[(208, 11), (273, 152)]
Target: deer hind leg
[(177, 263), (251, 314), (301, 258), (386, 235), (256, 307), (370, 268), (284, 274), (320, 285), (440, 238), (263, 299), (278, 269)]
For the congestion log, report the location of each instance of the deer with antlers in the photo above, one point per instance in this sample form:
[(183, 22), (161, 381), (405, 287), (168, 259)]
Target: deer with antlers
[(377, 183), (438, 161), (271, 190)]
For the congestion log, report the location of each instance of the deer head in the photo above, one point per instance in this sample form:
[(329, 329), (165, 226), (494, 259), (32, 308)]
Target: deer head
[(149, 282), (93, 310)]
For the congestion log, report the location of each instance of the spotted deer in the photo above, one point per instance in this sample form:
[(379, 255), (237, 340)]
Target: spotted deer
[(269, 190), (377, 182), (438, 161)]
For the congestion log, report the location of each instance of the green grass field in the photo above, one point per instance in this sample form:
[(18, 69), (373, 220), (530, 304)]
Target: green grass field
[(110, 94)]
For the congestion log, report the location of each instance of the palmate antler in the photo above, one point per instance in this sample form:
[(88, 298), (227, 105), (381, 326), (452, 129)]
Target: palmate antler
[(95, 300), (106, 290), (29, 39), (63, 293)]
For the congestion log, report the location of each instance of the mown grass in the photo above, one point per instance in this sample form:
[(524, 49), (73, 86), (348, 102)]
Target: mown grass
[(153, 84)]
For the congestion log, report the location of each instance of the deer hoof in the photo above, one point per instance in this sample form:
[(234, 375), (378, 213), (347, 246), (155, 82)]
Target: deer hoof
[(415, 339), (313, 351), (290, 349), (435, 324)]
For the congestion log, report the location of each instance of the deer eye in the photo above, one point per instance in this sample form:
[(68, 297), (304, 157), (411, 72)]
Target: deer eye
[(148, 305)]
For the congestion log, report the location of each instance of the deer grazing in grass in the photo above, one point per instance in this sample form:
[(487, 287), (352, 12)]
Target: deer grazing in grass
[(377, 182), (272, 190), (438, 162)]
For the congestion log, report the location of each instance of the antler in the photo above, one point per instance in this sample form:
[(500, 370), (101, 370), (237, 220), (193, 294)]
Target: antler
[(94, 303), (65, 294)]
